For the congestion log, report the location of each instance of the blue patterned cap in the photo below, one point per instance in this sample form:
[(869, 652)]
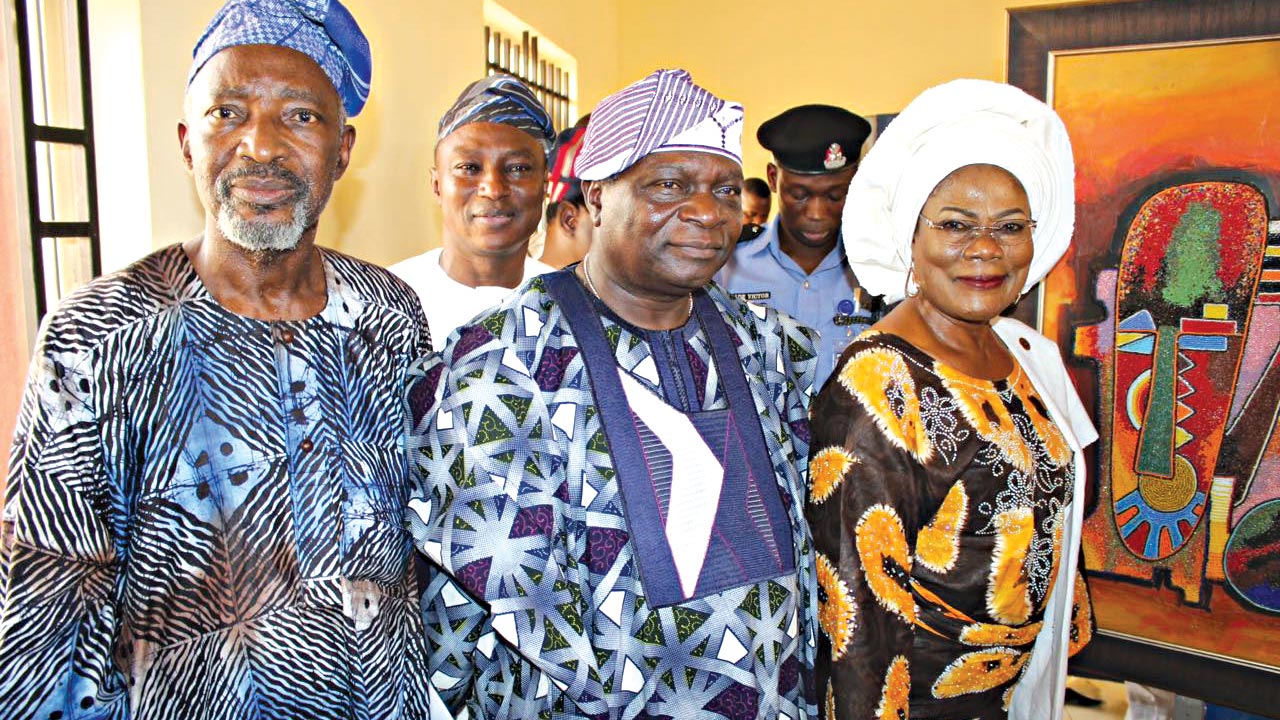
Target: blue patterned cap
[(500, 99), (323, 30)]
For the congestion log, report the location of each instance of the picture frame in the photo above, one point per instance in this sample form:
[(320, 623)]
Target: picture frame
[(1037, 36)]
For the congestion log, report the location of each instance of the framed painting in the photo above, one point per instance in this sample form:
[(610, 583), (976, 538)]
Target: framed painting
[(1167, 309)]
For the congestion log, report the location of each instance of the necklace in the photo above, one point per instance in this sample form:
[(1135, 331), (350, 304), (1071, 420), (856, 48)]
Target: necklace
[(592, 287)]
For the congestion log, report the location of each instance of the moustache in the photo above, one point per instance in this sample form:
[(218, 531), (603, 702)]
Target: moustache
[(491, 209), (272, 171)]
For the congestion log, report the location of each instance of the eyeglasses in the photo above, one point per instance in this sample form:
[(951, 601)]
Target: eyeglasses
[(1009, 233)]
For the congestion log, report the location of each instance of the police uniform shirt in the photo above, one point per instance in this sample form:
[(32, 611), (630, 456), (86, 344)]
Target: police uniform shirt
[(828, 300)]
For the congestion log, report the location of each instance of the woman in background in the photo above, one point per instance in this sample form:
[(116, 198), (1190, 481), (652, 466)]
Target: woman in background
[(946, 474)]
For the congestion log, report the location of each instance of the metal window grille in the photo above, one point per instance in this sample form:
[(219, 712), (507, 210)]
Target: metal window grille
[(53, 62), (549, 82)]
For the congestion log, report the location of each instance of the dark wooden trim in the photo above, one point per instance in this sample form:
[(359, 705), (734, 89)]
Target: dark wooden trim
[(549, 82), (66, 136), (90, 151), (1214, 680), (34, 132), (1035, 33), (28, 148), (64, 229)]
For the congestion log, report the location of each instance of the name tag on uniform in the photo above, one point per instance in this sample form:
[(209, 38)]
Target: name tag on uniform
[(846, 309), (862, 308), (753, 296)]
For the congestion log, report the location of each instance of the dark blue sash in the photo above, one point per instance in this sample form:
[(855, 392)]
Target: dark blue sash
[(751, 540)]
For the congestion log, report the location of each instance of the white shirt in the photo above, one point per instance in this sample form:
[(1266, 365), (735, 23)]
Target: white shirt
[(447, 303)]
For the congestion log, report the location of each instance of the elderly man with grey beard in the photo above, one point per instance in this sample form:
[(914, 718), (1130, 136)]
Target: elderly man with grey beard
[(204, 505)]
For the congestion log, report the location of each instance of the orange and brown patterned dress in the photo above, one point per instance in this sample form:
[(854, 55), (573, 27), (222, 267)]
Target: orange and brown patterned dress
[(937, 502)]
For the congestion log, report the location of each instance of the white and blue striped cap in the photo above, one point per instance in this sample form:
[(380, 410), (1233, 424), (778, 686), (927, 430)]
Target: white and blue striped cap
[(664, 112)]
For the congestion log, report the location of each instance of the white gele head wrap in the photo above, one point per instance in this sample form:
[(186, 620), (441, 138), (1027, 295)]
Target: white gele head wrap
[(960, 123)]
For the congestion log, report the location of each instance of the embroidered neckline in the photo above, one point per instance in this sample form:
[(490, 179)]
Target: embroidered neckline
[(928, 362)]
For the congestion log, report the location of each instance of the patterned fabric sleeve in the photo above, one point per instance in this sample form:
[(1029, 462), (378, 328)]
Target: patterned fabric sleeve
[(864, 507), (801, 364), (453, 621), (490, 511), (802, 361), (454, 625), (59, 561)]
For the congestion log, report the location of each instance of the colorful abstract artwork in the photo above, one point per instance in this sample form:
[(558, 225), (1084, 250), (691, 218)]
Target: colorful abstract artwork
[(1168, 310)]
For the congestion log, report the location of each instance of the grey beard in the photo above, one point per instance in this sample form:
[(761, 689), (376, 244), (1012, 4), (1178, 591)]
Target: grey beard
[(255, 234), (262, 236)]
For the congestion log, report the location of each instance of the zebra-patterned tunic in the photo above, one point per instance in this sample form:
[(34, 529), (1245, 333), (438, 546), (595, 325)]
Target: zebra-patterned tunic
[(204, 510)]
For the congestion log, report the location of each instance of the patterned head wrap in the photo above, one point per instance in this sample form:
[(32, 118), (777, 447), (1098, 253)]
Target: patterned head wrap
[(960, 123), (661, 113), (562, 184), (500, 99), (323, 30)]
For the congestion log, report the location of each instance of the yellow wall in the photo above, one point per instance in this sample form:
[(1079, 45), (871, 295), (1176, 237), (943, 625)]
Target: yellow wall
[(425, 52), (588, 30), (870, 56)]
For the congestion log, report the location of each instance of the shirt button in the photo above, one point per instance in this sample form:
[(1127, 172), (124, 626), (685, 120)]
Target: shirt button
[(286, 336), (306, 445), (806, 284)]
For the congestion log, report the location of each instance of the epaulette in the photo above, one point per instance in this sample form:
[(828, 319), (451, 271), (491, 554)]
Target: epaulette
[(750, 231)]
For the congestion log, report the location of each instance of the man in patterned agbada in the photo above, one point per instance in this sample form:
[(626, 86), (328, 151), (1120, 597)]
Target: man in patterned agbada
[(205, 496), (608, 466)]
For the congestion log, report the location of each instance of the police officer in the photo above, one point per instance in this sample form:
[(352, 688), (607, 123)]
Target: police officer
[(797, 263)]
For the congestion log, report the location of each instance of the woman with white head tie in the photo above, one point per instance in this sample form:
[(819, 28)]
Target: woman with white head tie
[(946, 479)]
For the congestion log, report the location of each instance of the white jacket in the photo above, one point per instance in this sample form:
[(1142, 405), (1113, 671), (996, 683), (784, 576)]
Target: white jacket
[(1039, 693)]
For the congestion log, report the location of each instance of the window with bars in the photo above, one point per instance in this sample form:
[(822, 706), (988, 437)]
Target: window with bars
[(53, 62), (519, 57)]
